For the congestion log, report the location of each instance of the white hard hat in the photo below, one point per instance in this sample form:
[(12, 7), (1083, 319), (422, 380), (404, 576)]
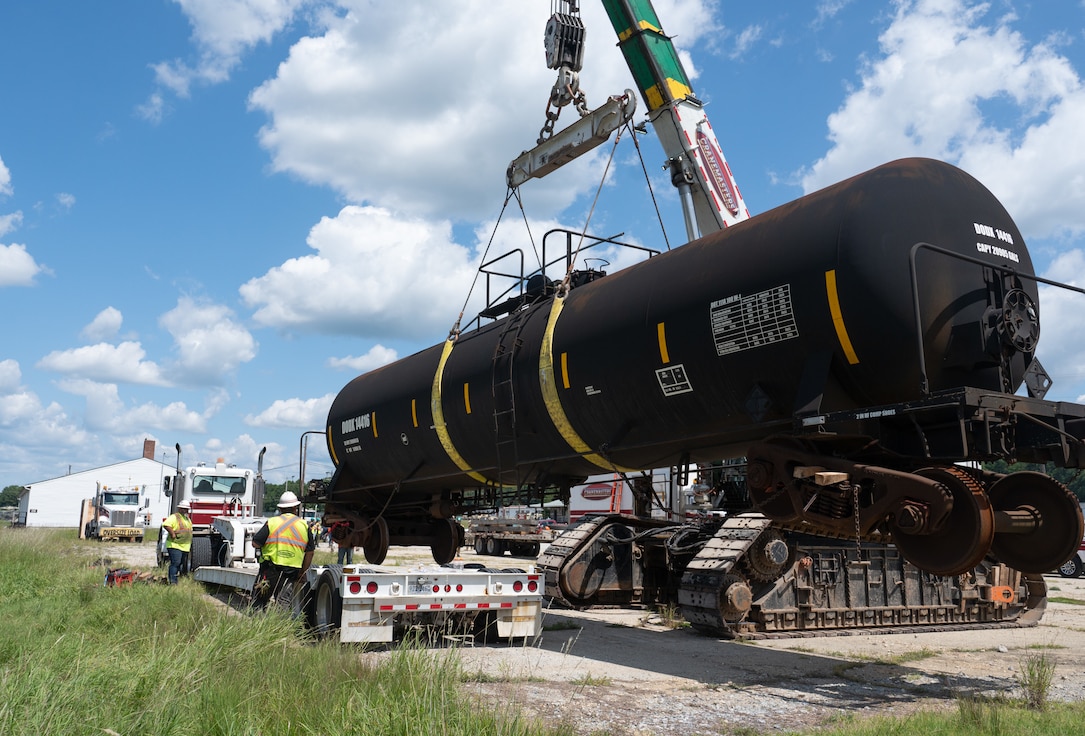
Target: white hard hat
[(288, 500), (185, 504)]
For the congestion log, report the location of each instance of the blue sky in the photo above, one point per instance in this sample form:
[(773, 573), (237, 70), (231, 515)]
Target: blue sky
[(215, 213)]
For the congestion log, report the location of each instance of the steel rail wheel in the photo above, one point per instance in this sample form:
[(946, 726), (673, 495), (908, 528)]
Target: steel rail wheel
[(446, 541), (1039, 523), (376, 546), (966, 535)]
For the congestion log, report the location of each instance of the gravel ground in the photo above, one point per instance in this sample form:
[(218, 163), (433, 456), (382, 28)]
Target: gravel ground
[(622, 672)]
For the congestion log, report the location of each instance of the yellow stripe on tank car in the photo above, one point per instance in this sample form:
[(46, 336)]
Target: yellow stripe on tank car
[(467, 397), (661, 336), (548, 384), (439, 417), (414, 412), (838, 317), (565, 370), (331, 448), (373, 417)]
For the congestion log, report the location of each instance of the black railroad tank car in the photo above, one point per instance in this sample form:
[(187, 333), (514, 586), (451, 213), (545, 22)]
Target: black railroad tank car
[(696, 353)]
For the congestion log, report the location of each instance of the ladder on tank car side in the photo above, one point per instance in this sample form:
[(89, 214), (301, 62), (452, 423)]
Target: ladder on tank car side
[(504, 396)]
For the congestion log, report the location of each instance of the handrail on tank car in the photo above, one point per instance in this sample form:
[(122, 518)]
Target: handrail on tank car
[(924, 385), (514, 295)]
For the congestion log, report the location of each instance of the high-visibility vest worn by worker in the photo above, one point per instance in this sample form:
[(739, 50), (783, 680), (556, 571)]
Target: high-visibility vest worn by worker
[(287, 538), (182, 532)]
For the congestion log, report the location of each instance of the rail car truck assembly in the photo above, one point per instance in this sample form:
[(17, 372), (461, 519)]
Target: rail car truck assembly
[(113, 514)]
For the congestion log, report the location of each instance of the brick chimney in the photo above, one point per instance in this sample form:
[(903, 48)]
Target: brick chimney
[(148, 449)]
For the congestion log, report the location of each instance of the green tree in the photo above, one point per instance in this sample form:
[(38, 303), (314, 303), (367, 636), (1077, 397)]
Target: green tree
[(10, 495), (1072, 478)]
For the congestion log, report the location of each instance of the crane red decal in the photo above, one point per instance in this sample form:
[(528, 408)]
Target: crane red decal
[(721, 182)]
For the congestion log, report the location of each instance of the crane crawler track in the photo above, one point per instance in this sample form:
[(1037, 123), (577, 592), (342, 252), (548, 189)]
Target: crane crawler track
[(824, 588)]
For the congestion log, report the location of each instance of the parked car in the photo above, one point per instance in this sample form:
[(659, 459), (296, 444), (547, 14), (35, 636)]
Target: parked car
[(1075, 566)]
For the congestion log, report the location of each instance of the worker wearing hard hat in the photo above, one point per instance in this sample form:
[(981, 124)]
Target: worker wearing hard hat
[(284, 545), (178, 527)]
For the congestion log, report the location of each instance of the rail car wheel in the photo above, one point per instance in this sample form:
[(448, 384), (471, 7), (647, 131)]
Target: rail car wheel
[(1053, 525), (327, 605), (446, 541), (966, 535), (376, 547)]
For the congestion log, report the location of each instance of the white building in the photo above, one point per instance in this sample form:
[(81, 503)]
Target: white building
[(57, 501)]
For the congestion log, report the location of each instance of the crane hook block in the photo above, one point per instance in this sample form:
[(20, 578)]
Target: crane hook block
[(563, 41)]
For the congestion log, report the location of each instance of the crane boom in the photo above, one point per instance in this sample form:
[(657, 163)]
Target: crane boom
[(710, 196)]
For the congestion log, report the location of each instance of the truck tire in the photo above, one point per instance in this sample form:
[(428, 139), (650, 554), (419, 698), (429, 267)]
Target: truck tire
[(201, 554), (327, 604), (493, 547), (480, 545)]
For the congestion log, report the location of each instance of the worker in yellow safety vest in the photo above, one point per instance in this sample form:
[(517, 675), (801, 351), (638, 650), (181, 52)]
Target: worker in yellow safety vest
[(284, 545), (178, 528)]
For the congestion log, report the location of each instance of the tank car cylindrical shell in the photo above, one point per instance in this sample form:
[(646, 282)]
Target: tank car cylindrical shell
[(703, 349)]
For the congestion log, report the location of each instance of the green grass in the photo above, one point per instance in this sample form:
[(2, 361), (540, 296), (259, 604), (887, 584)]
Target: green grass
[(1071, 601), (972, 717), (77, 657)]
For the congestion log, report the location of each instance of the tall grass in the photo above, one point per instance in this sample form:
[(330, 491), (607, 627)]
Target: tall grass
[(77, 657)]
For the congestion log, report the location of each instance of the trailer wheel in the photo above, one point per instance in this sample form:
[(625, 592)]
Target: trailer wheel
[(201, 554), (492, 547), (480, 545), (225, 554), (327, 604)]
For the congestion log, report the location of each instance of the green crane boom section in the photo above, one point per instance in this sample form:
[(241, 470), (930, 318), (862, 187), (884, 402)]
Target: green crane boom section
[(649, 53)]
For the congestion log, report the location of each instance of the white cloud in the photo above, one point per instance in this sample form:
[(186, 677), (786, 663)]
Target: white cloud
[(10, 222), (746, 39), (106, 324), (209, 342), (222, 30), (65, 200), (377, 356), (17, 267), (296, 413), (1061, 349), (373, 273), (943, 63), (5, 178), (106, 411), (431, 132), (10, 375), (105, 363)]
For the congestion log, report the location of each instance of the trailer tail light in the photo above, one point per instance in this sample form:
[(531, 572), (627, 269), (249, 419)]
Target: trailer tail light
[(355, 587), (518, 586), (371, 587), (532, 586), (436, 588), (459, 587)]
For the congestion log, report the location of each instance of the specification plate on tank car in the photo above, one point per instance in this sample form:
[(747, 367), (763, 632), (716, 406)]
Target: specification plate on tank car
[(743, 322)]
